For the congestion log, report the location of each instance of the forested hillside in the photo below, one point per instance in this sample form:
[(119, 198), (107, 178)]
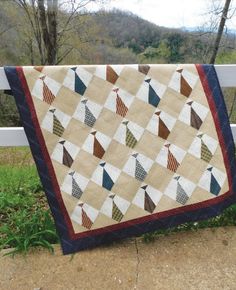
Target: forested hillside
[(149, 41), (156, 44), (108, 37), (101, 37)]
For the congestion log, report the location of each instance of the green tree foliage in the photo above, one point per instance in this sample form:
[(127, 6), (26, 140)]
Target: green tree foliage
[(175, 43), (226, 57), (102, 37), (8, 112)]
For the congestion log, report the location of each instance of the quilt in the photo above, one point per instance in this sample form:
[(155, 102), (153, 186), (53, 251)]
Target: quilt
[(123, 150)]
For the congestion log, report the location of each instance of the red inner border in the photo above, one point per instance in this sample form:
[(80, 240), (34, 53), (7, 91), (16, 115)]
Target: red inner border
[(136, 221)]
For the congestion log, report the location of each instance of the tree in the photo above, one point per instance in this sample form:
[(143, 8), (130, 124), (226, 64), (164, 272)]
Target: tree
[(220, 31), (174, 42), (50, 21), (213, 36)]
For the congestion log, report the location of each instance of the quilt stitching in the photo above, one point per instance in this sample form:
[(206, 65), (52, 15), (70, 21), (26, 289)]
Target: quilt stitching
[(128, 134), (115, 171)]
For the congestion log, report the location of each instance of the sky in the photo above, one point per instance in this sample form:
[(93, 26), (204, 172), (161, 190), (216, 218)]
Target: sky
[(169, 13)]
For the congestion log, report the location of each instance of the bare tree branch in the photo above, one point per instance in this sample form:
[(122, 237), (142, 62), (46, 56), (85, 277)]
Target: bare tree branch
[(50, 22)]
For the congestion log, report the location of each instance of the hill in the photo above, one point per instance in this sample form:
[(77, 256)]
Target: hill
[(105, 37), (153, 43)]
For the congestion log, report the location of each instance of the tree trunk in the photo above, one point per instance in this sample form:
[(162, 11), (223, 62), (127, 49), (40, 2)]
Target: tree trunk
[(48, 22), (52, 30), (43, 19), (220, 31)]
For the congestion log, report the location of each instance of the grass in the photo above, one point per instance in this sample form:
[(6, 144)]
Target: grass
[(26, 220), (227, 218)]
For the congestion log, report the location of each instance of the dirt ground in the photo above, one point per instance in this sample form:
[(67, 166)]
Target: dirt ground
[(205, 259)]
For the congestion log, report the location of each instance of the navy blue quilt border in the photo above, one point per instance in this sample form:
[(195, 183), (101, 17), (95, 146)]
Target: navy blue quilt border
[(219, 101), (70, 245)]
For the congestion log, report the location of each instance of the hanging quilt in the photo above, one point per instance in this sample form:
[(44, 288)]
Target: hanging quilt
[(123, 150)]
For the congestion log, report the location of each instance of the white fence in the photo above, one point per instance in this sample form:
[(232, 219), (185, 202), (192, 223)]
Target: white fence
[(14, 136)]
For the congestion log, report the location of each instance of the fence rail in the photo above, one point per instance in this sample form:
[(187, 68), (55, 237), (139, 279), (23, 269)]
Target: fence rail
[(15, 136)]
